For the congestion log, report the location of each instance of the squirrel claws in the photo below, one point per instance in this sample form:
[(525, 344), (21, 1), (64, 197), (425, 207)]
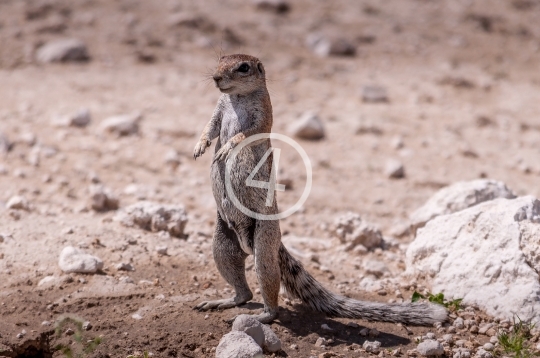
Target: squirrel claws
[(200, 148), (224, 152)]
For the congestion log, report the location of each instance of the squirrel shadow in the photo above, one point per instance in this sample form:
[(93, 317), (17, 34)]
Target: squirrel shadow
[(302, 322)]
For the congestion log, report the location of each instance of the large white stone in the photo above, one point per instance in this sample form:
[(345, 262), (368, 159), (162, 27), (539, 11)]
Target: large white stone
[(75, 260), (486, 254), (237, 344), (459, 196)]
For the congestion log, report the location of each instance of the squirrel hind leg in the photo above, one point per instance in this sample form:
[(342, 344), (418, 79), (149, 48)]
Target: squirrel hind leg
[(230, 261), (267, 240)]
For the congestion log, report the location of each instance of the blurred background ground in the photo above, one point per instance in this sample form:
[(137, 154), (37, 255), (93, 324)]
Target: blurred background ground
[(460, 83)]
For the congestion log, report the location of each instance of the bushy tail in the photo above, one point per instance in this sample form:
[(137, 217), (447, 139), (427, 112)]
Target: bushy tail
[(300, 284)]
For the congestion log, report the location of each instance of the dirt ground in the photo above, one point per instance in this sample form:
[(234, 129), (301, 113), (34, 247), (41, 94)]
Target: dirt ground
[(463, 82)]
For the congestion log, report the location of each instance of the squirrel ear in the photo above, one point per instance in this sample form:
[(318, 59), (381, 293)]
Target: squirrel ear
[(260, 67)]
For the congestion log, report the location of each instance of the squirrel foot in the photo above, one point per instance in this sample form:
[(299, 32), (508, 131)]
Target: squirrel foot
[(220, 304)]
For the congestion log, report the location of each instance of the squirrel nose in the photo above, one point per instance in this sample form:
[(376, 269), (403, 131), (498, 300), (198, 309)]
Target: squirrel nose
[(217, 78)]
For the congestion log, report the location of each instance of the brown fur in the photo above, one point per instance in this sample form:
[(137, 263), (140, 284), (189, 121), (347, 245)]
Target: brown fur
[(244, 109)]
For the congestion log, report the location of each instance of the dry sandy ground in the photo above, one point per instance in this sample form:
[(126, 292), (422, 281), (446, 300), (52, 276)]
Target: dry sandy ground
[(463, 84)]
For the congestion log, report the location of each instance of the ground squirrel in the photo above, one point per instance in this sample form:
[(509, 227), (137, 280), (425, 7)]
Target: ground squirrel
[(244, 109)]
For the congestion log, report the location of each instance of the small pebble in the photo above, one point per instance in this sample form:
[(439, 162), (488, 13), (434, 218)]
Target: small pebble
[(488, 347)]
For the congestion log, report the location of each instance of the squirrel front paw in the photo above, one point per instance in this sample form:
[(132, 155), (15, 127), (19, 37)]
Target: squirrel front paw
[(224, 152), (200, 148)]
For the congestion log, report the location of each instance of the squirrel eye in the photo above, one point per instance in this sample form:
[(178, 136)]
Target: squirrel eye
[(243, 68)]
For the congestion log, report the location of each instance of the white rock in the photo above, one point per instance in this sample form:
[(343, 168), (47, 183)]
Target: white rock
[(122, 266), (482, 353), (122, 125), (394, 169), (326, 327), (485, 254), (48, 281), (457, 197), (161, 250), (5, 144), (352, 231), (372, 347), (375, 267), (462, 353), (172, 158), (154, 217), (81, 118), (324, 45), (17, 202), (488, 346), (320, 342), (62, 51), (448, 338), (102, 198), (430, 348), (271, 341), (75, 260), (238, 344), (459, 323), (308, 126), (249, 325), (374, 94)]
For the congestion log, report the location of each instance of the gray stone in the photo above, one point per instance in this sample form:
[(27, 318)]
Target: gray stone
[(352, 231), (277, 6), (17, 202), (122, 125), (325, 45), (448, 338), (308, 126), (102, 198), (237, 344), (271, 341), (374, 94), (459, 323), (62, 51), (75, 260), (372, 347), (488, 346), (81, 118), (249, 325), (482, 353), (5, 144), (125, 267), (394, 169), (375, 267), (161, 250), (461, 353), (154, 217), (430, 348)]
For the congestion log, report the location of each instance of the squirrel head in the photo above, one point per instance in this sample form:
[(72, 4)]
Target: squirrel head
[(239, 74)]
